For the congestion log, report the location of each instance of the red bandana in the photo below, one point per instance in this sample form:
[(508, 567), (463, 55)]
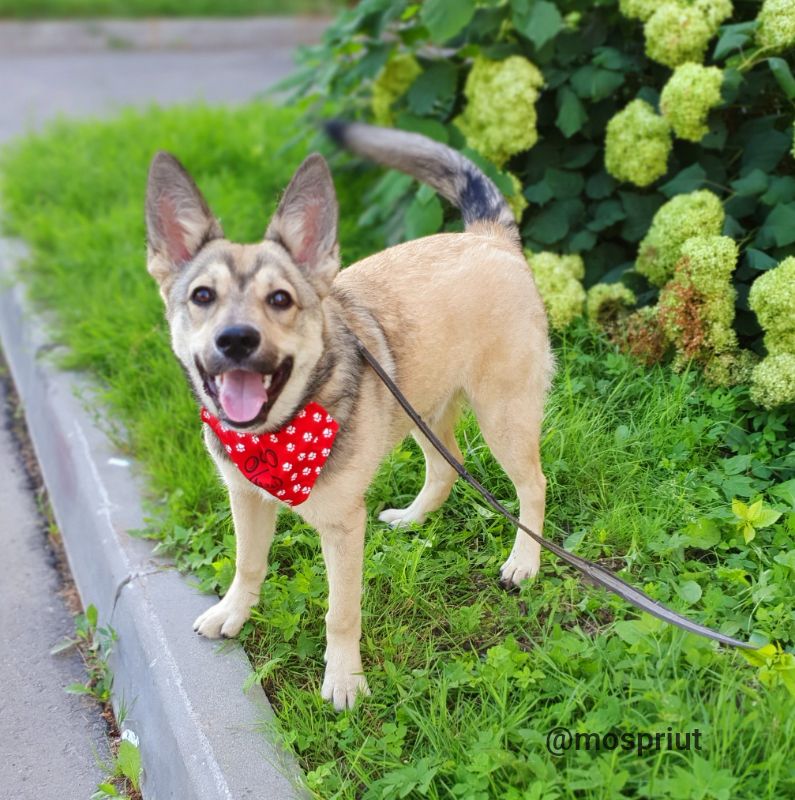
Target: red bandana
[(284, 463)]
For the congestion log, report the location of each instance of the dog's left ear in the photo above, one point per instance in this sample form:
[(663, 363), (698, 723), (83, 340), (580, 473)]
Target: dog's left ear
[(178, 219), (305, 223)]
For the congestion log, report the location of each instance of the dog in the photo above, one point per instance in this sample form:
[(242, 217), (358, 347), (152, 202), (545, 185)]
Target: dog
[(263, 330)]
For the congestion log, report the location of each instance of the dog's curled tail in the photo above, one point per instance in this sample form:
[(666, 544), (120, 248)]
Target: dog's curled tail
[(445, 170)]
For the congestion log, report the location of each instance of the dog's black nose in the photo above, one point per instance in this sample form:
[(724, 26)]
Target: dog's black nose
[(238, 341)]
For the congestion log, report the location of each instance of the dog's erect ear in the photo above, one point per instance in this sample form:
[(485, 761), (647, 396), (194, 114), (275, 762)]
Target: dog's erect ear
[(178, 219), (305, 223)]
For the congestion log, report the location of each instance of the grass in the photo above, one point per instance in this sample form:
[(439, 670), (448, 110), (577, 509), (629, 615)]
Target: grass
[(37, 9), (467, 679)]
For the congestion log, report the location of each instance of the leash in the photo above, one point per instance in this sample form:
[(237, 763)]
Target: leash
[(600, 575)]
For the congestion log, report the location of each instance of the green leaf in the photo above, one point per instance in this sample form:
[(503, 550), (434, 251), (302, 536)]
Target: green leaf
[(782, 190), (77, 688), (688, 180), (783, 74), (756, 259), (431, 128), (600, 185), (778, 229), (445, 18), (640, 209), (703, 534), (786, 491), (765, 147), (582, 241), (571, 112), (423, 219), (539, 193), (537, 20), (786, 559), (733, 37), (596, 83), (92, 616), (755, 182), (608, 212), (739, 509), (760, 656), (129, 760), (562, 183), (766, 518), (749, 532), (689, 591), (434, 88)]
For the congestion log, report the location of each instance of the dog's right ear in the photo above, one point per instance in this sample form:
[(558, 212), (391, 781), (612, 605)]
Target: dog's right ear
[(178, 220)]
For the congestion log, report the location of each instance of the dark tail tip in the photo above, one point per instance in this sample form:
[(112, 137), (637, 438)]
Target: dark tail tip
[(336, 130)]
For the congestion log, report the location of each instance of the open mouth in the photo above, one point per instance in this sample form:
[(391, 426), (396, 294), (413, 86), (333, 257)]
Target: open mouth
[(244, 396)]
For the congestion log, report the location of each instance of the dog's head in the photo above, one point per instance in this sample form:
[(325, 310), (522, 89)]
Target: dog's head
[(246, 320)]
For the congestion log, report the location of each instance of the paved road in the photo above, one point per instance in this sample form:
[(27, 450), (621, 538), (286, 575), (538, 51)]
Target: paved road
[(90, 68), (48, 739)]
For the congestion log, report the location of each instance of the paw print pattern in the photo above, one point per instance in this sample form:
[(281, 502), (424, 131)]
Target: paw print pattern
[(271, 461)]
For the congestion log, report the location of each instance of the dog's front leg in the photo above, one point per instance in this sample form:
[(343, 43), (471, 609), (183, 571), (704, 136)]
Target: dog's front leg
[(255, 522), (343, 552)]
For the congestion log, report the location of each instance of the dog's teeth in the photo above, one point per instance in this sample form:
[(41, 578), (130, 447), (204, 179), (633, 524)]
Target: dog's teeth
[(219, 379), (266, 381)]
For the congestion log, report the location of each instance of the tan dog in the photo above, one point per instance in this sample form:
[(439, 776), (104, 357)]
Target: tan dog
[(262, 329)]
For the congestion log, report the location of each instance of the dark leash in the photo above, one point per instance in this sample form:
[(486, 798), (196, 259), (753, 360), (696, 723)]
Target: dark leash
[(600, 575)]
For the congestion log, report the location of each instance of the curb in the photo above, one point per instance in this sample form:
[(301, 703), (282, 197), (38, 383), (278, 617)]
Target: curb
[(44, 37), (200, 735)]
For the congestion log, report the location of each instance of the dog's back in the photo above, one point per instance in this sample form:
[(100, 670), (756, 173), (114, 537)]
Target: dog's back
[(457, 305)]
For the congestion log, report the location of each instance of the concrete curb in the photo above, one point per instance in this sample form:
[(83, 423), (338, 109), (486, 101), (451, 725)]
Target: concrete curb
[(46, 37), (200, 735)]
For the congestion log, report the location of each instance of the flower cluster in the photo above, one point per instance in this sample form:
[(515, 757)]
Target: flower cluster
[(637, 144), (499, 119), (607, 303), (687, 98), (714, 11), (773, 381), (558, 279), (776, 28), (678, 32), (696, 306), (391, 83), (698, 213), (772, 299)]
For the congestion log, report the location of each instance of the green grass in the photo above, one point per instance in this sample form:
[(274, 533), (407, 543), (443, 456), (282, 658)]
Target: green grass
[(36, 9), (467, 679)]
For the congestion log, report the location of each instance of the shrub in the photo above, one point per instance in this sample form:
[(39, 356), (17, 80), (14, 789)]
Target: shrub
[(681, 218), (772, 298), (688, 97), (559, 282), (607, 303), (570, 100), (499, 119), (637, 144)]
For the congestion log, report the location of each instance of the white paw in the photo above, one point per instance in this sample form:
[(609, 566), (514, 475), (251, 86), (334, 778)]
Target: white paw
[(518, 568), (341, 687), (225, 619), (397, 517)]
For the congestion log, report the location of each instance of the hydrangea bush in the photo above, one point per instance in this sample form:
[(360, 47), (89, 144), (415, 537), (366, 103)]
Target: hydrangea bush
[(619, 130)]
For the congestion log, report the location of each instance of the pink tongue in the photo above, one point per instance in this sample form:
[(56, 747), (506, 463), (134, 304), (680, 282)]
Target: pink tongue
[(242, 395)]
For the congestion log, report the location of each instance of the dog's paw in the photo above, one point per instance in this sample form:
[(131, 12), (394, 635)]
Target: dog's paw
[(225, 619), (518, 568), (341, 688), (398, 517)]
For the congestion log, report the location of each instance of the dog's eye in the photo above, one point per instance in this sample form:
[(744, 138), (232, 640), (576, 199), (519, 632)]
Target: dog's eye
[(279, 299), (202, 295)]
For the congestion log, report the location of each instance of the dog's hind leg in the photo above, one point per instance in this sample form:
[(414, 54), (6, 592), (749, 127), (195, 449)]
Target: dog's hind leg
[(511, 426), (439, 475)]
